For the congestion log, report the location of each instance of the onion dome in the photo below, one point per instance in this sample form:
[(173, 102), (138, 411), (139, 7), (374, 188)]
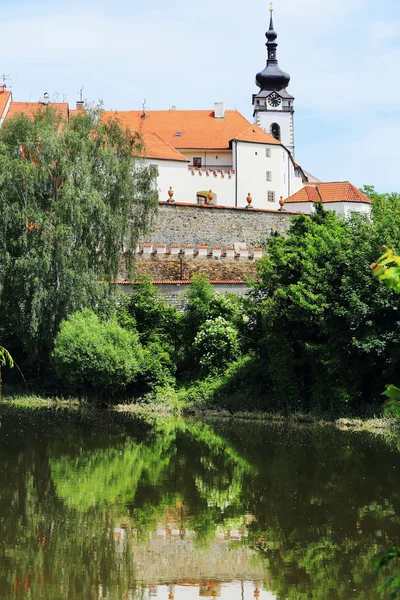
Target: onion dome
[(272, 77)]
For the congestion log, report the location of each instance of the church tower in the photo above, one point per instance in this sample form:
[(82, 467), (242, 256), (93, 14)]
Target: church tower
[(273, 105)]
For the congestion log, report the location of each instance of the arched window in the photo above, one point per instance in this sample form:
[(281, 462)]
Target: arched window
[(276, 131)]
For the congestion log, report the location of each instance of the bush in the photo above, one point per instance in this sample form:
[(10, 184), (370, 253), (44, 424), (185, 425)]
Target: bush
[(154, 318), (94, 354), (216, 345), (158, 368)]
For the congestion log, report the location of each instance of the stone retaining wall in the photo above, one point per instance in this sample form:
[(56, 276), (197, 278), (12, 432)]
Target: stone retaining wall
[(221, 242), (216, 225)]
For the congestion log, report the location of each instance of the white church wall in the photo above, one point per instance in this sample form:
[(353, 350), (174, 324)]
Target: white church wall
[(284, 119), (304, 207), (210, 158), (346, 208), (340, 208), (252, 167), (187, 183), (171, 173)]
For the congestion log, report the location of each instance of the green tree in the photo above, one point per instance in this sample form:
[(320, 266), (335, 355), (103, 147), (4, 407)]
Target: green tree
[(321, 325), (72, 196), (5, 359), (216, 345), (94, 354)]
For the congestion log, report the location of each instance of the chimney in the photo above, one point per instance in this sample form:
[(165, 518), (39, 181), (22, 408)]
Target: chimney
[(2, 87), (80, 104), (45, 100), (219, 110), (173, 107)]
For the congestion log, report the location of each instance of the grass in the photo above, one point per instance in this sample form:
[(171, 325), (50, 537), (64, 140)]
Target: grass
[(168, 402)]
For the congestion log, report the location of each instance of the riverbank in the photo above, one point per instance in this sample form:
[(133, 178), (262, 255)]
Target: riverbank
[(174, 408)]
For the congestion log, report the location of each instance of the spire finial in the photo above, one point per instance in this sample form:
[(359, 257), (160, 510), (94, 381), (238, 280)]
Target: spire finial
[(271, 10)]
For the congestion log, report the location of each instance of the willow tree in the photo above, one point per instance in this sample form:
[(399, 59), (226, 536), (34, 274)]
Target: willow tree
[(72, 195)]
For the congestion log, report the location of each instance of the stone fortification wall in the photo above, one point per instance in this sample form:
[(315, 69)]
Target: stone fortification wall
[(180, 262), (218, 241), (180, 223)]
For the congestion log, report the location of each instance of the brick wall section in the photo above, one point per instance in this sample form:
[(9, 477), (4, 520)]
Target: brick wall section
[(160, 268), (216, 225)]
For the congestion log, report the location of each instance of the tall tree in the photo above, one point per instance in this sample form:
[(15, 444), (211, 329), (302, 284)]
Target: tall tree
[(72, 195)]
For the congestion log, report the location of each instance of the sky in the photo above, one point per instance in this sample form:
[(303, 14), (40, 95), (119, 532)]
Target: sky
[(343, 58)]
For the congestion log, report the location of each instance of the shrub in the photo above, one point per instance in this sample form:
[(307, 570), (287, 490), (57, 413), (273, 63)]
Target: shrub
[(93, 354), (158, 368), (154, 318), (216, 345)]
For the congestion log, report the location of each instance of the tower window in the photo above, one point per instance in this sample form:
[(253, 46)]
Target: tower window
[(271, 196), (268, 152), (269, 175), (275, 131)]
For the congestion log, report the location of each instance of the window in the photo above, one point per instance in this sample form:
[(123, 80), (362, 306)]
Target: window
[(197, 162), (268, 152), (271, 196), (269, 175), (201, 199), (275, 131)]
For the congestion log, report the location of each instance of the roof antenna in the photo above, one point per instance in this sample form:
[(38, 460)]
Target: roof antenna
[(4, 78), (144, 109), (80, 103)]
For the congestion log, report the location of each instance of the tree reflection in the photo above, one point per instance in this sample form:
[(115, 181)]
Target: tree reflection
[(87, 502)]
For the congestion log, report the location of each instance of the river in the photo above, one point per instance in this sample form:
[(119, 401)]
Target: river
[(109, 506)]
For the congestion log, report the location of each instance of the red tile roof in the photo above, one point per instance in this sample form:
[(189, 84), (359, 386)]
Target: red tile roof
[(335, 191), (257, 135), (157, 148), (30, 108), (4, 98), (199, 129)]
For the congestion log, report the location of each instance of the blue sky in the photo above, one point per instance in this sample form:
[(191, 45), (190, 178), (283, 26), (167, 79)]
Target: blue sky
[(343, 58)]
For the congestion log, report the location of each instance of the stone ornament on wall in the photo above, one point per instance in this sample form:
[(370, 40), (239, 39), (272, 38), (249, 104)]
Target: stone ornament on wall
[(170, 194)]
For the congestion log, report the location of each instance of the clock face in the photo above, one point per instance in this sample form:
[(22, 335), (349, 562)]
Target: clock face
[(274, 100)]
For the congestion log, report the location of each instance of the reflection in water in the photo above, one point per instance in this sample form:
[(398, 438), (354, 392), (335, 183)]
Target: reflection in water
[(108, 506)]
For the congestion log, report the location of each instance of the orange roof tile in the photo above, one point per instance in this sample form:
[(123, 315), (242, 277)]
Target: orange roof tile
[(73, 112), (254, 133), (335, 191), (156, 147), (186, 129), (30, 108), (4, 98)]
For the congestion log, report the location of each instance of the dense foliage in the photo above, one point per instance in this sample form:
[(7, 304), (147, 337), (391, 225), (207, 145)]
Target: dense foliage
[(72, 195), (316, 333), (322, 321), (95, 354)]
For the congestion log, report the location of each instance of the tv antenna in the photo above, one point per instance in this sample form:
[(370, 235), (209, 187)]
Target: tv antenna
[(5, 77)]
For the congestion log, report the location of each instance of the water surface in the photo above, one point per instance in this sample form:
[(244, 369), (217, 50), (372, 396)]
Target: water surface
[(108, 506)]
